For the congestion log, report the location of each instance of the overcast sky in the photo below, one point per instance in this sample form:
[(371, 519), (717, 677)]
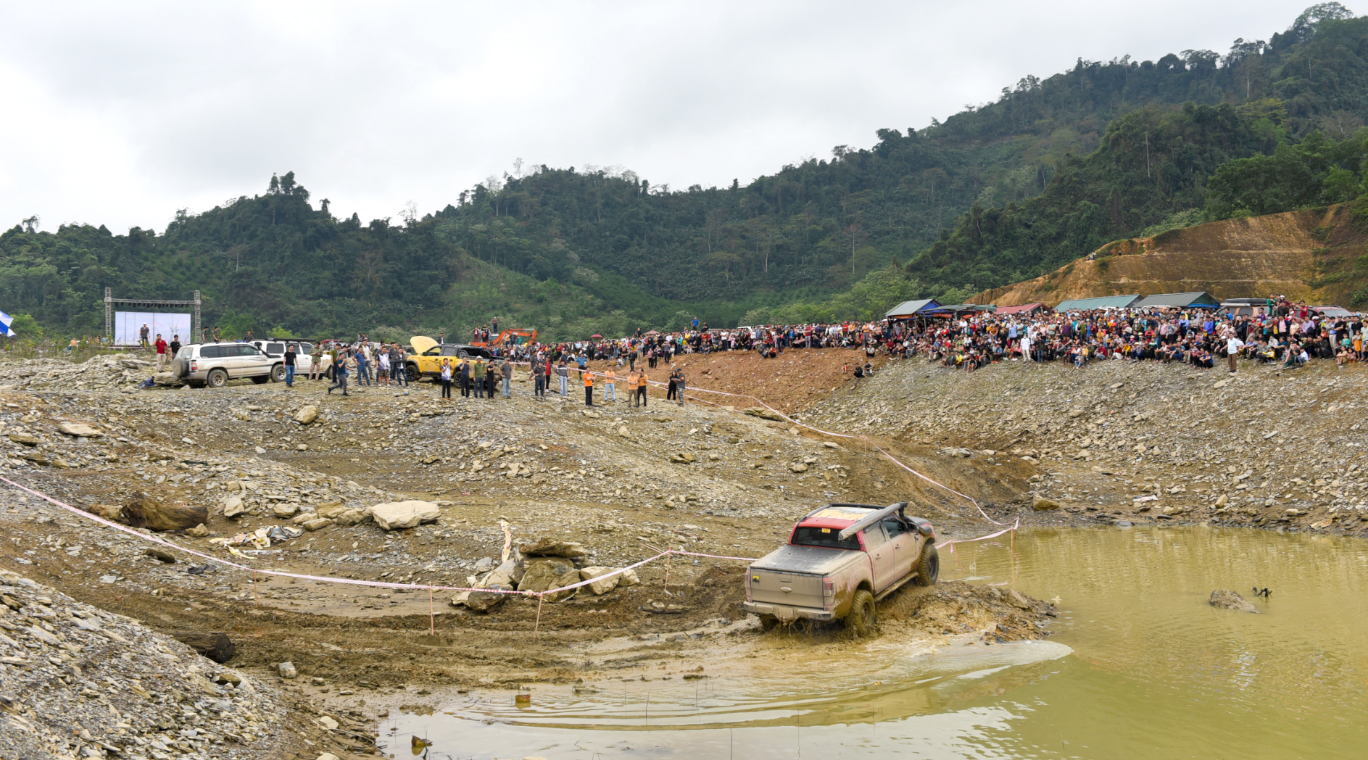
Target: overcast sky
[(122, 113)]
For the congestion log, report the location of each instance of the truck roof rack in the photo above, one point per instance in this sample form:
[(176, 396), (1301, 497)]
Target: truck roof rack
[(870, 518)]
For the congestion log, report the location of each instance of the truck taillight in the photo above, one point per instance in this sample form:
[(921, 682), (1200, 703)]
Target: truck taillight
[(828, 593), (194, 366)]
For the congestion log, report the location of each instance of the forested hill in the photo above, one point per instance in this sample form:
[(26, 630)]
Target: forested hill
[(995, 193)]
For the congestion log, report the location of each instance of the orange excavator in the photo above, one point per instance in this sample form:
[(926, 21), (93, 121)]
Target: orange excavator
[(513, 336)]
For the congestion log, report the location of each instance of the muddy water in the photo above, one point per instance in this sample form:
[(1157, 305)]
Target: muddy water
[(1140, 666)]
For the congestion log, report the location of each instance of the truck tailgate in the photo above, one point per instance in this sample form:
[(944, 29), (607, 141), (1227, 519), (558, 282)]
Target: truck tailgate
[(781, 587), (792, 575)]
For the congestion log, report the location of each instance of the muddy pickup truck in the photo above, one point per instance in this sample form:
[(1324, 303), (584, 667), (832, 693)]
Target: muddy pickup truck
[(840, 560)]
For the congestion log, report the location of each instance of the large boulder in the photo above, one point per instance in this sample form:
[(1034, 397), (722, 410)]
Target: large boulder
[(306, 415), (1225, 599), (1041, 504), (542, 574), (569, 578), (484, 601), (80, 430), (170, 379), (145, 511), (401, 515), (503, 575), (548, 547), (599, 581), (234, 507), (764, 414)]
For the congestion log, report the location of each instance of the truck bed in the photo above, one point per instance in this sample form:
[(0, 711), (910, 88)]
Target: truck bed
[(807, 560)]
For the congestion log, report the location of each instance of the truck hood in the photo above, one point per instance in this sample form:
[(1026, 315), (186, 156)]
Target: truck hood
[(809, 560), (421, 343)]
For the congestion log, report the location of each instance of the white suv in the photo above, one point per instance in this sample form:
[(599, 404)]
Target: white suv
[(276, 350), (214, 364)]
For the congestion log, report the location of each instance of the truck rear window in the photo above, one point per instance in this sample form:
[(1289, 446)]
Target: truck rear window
[(829, 537)]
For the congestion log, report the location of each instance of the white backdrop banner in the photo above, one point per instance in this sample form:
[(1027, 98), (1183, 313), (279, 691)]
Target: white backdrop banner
[(128, 326)]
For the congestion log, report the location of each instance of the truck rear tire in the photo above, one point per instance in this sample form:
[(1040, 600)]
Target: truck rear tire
[(863, 614), (928, 566), (217, 378), (768, 622)]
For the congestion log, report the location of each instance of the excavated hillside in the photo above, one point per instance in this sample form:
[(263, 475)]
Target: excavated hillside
[(1316, 255)]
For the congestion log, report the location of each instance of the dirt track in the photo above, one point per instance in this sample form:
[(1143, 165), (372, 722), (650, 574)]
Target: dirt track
[(362, 650)]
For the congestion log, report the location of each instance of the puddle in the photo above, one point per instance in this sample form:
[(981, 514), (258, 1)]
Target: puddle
[(1140, 666)]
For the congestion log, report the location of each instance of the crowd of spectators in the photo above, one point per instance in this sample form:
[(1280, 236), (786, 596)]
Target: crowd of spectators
[(1280, 332)]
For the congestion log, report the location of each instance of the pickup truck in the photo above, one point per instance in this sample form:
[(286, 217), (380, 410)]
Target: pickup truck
[(840, 560)]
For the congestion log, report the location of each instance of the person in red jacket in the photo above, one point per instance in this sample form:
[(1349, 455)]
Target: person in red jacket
[(161, 353)]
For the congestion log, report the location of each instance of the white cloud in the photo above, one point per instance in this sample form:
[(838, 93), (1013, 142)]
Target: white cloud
[(122, 113)]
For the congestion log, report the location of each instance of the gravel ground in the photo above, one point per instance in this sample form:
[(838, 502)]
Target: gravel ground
[(78, 682)]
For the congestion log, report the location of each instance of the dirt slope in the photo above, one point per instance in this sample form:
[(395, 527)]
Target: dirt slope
[(1308, 255)]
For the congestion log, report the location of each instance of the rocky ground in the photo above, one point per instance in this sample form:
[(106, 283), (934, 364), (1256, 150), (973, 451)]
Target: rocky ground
[(289, 479), (77, 681), (1142, 442)]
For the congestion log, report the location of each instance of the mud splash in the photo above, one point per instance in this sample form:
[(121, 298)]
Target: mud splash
[(1140, 666)]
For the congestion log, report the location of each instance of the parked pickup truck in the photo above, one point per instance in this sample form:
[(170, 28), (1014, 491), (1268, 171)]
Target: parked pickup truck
[(839, 561)]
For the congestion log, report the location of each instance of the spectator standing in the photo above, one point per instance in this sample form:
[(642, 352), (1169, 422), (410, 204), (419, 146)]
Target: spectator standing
[(609, 386), (446, 378), (563, 378), (1233, 346), (397, 369), (491, 379), (506, 369), (291, 354), (538, 380), (363, 376), (465, 378), (642, 380), (173, 347), (477, 376), (339, 370), (588, 387), (143, 332), (161, 353), (679, 386), (382, 367), (315, 361)]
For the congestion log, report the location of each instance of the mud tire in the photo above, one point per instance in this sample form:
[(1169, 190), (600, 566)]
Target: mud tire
[(216, 378), (411, 370), (277, 373), (768, 623), (863, 615), (928, 566)]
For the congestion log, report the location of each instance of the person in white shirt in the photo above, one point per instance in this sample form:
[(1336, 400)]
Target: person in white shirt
[(1233, 346)]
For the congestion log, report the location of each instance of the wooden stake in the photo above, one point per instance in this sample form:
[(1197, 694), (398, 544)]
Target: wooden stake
[(537, 628)]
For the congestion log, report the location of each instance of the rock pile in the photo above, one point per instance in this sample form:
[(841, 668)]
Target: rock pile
[(78, 682), (544, 564)]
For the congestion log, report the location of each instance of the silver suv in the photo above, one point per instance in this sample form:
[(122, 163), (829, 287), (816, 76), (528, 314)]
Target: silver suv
[(214, 364)]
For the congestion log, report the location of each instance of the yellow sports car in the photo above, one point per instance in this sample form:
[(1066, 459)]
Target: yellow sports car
[(425, 360)]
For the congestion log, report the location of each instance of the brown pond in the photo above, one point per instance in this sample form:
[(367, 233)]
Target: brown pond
[(1139, 666)]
